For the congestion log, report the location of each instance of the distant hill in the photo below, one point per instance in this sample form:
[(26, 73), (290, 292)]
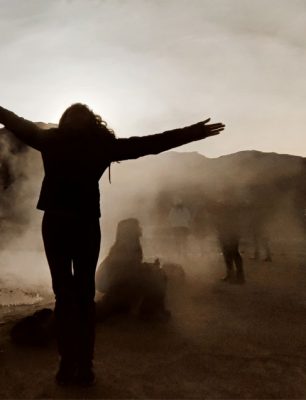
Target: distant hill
[(269, 187), (183, 172)]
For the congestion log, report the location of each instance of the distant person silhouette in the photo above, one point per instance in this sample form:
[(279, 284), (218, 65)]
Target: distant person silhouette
[(180, 220), (261, 246), (259, 216), (226, 217), (75, 155)]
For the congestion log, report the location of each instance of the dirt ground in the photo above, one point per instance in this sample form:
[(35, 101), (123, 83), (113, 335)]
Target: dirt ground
[(223, 341)]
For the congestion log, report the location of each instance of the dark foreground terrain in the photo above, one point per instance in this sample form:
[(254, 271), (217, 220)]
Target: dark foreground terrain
[(224, 341)]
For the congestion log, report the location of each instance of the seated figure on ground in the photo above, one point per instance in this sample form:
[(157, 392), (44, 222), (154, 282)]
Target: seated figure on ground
[(128, 284)]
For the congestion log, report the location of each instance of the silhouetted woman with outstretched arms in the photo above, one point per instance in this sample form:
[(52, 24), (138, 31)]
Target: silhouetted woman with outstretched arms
[(75, 155)]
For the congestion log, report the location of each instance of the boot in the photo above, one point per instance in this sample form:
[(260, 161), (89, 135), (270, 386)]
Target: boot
[(240, 279), (85, 375), (229, 277), (66, 373)]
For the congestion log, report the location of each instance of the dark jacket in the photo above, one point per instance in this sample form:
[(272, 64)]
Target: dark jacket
[(74, 161)]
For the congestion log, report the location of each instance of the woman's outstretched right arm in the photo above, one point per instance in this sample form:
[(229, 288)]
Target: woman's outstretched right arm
[(24, 130)]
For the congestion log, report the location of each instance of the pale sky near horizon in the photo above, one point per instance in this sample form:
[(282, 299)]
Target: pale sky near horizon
[(151, 65)]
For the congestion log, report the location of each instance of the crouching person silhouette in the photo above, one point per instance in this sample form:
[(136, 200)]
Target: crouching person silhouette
[(128, 284), (75, 155)]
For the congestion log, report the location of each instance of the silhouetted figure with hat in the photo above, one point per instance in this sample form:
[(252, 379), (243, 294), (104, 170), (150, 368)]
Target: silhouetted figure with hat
[(75, 155), (128, 284)]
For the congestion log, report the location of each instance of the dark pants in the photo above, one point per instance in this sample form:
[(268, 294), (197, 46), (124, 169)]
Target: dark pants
[(230, 249), (72, 246)]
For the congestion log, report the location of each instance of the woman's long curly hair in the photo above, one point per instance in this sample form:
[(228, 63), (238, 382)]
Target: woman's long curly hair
[(80, 117)]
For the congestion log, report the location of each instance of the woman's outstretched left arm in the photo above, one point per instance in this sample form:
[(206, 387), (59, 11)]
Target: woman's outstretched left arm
[(139, 146)]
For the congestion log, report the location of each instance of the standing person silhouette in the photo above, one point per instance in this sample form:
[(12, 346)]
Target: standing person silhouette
[(180, 220), (75, 155)]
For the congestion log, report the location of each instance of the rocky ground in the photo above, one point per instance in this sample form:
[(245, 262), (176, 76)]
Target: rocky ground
[(223, 341)]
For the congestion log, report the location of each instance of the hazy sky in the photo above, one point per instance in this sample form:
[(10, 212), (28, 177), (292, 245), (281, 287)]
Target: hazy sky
[(151, 65)]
